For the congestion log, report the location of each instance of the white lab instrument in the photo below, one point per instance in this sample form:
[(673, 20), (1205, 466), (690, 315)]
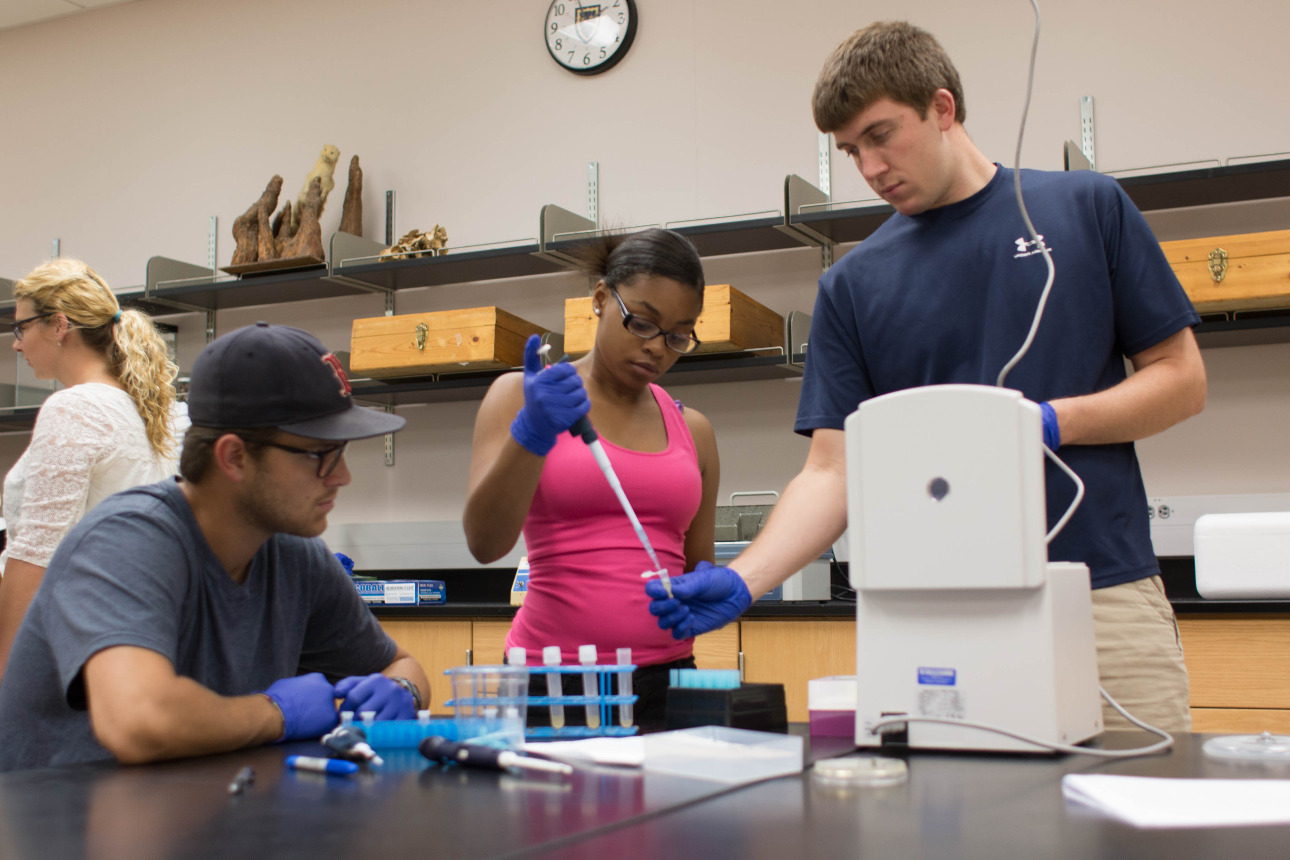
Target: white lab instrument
[(959, 615)]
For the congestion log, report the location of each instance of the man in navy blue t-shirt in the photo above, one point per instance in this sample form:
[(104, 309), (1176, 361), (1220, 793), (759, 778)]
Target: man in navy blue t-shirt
[(945, 292)]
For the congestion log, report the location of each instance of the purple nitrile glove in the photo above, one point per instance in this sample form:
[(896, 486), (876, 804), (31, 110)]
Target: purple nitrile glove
[(1052, 433), (702, 600), (376, 692), (308, 705), (554, 398)]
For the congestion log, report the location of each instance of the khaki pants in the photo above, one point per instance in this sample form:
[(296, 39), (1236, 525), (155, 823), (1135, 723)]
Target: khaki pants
[(1139, 656)]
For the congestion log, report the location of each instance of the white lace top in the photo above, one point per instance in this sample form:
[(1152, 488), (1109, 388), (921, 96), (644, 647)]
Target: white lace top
[(88, 443)]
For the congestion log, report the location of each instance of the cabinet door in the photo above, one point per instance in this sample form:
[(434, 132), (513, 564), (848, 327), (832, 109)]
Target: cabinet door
[(489, 638), (718, 649), (437, 646), (793, 652), (1232, 664)]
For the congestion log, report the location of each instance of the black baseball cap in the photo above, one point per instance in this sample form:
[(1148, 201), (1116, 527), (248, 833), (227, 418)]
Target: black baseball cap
[(277, 376)]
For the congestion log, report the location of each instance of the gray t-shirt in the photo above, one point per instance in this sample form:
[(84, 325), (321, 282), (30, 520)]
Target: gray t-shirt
[(138, 571)]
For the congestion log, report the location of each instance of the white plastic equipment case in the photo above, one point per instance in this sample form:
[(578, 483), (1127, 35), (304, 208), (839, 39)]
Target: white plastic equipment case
[(1243, 556)]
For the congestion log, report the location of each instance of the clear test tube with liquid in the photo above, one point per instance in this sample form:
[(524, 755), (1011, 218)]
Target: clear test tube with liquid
[(551, 657), (587, 657), (625, 716)]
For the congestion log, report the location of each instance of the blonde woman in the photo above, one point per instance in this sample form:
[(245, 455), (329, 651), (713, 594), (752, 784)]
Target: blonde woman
[(113, 426)]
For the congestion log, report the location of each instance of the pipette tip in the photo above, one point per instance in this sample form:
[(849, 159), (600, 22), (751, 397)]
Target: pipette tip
[(661, 573)]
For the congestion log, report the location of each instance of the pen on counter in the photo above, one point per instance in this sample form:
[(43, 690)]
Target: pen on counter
[(321, 765), (241, 780), (473, 755)]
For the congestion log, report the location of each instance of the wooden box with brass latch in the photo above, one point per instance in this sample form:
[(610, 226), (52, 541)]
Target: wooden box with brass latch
[(1248, 271), (729, 321), (485, 338)]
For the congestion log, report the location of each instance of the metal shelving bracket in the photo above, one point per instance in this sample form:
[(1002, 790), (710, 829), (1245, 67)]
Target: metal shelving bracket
[(797, 333), (555, 225)]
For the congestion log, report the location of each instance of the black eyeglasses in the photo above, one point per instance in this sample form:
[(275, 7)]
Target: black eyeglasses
[(677, 341), (328, 458), (19, 325)]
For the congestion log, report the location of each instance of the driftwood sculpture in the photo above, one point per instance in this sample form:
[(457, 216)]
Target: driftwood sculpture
[(307, 241), (351, 214), (324, 168), (262, 237), (246, 228), (414, 243)]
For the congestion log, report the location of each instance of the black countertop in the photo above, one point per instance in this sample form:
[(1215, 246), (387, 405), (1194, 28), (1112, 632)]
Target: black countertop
[(485, 594), (959, 805)]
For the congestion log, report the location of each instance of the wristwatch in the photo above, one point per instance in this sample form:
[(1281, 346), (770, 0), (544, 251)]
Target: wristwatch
[(413, 689)]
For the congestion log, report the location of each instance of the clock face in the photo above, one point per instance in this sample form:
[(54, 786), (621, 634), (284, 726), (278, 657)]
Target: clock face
[(589, 38)]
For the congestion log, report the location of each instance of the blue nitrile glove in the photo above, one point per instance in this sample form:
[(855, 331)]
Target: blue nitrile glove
[(704, 599), (1052, 433), (308, 705), (554, 399), (346, 562), (376, 692)]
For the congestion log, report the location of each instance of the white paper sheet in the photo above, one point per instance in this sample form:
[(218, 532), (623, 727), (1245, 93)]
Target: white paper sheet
[(1152, 802)]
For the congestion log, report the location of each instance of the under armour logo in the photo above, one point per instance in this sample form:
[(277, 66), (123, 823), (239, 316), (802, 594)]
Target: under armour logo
[(1027, 248), (334, 363)]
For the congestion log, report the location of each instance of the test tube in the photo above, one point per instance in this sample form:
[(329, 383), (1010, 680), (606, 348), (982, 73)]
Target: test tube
[(625, 716), (587, 657), (551, 657)]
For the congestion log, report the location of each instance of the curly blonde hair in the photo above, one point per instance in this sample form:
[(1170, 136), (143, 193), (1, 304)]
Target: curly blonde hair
[(136, 355)]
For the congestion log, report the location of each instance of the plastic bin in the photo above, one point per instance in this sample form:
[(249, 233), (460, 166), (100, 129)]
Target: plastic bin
[(490, 703)]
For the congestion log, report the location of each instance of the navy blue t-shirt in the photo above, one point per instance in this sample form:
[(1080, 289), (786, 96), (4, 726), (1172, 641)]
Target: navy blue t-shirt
[(947, 296)]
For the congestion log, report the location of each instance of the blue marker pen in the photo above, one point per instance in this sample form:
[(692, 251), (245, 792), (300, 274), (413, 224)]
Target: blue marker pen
[(321, 765)]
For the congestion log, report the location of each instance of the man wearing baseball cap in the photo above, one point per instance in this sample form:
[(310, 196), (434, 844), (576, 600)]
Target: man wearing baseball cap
[(204, 614)]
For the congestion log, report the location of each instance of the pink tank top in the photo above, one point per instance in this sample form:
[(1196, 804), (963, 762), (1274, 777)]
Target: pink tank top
[(585, 561)]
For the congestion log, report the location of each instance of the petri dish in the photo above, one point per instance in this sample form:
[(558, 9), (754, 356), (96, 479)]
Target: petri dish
[(856, 770), (1263, 747)]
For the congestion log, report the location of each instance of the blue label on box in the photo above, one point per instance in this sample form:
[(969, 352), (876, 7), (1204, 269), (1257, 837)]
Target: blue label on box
[(937, 677), (407, 592)]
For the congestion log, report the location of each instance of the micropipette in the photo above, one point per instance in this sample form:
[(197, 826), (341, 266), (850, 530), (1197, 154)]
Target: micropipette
[(587, 657), (625, 716), (474, 755), (551, 657), (582, 427)]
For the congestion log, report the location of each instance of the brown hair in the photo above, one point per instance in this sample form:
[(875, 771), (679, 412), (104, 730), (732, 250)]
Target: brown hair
[(136, 355), (887, 59), (198, 452)]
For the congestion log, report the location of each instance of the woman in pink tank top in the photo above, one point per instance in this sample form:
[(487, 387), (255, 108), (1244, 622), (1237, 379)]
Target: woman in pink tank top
[(528, 474)]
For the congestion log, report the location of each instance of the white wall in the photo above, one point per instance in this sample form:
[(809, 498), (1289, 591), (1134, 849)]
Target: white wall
[(126, 127)]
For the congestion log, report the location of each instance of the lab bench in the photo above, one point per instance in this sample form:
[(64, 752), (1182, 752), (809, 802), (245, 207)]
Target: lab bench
[(1235, 649), (952, 805)]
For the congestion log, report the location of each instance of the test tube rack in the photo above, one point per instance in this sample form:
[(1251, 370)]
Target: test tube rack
[(606, 701)]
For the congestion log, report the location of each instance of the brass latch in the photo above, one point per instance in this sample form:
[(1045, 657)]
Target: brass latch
[(422, 331), (1217, 265)]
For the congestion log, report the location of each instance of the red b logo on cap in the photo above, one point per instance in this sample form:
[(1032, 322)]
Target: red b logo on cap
[(334, 363)]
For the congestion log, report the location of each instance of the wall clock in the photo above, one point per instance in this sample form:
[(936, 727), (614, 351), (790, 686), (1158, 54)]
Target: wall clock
[(589, 38)]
